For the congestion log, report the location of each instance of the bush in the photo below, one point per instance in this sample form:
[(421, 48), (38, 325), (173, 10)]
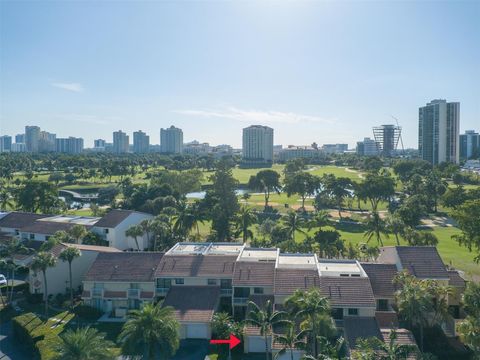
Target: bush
[(87, 312), (24, 327)]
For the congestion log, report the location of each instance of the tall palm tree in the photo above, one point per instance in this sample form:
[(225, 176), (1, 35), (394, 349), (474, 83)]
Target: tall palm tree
[(310, 305), (187, 219), (329, 351), (41, 262), (395, 225), (319, 220), (265, 319), (291, 340), (85, 344), (376, 227), (243, 220), (293, 223), (68, 255), (6, 200), (151, 331), (392, 350), (135, 231)]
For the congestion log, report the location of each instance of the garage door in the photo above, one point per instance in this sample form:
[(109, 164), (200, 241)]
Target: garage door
[(256, 344), (197, 331)]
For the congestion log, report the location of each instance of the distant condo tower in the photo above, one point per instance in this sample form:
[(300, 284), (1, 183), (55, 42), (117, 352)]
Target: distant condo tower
[(257, 147), (171, 140), (438, 132), (120, 142), (141, 142), (386, 137)]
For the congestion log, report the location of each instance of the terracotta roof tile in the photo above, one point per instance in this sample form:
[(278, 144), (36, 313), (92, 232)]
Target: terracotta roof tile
[(48, 227), (113, 218), (386, 319), (357, 327), (289, 280), (18, 220), (253, 273), (193, 303), (381, 278), (197, 265), (455, 279)]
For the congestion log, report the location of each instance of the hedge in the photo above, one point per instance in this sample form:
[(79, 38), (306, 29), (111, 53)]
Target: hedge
[(38, 336)]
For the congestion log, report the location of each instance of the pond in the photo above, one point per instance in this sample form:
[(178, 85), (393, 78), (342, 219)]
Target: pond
[(201, 194)]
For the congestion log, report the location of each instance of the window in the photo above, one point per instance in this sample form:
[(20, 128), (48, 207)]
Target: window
[(212, 281), (241, 292), (258, 290), (344, 275), (47, 237), (179, 281), (337, 313), (355, 275), (353, 312), (17, 232), (32, 236), (382, 305), (225, 283), (105, 231), (134, 286), (164, 283)]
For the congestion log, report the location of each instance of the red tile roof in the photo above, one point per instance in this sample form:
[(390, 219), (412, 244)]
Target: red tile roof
[(357, 327), (455, 279), (381, 278), (404, 336), (18, 220), (348, 291), (253, 273), (289, 280), (114, 217), (193, 303), (386, 319)]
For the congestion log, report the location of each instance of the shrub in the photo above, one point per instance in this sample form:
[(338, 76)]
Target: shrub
[(87, 312)]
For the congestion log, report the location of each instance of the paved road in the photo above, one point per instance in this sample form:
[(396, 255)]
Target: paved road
[(9, 350)]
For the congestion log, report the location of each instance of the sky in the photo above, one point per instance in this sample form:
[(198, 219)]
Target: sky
[(323, 72)]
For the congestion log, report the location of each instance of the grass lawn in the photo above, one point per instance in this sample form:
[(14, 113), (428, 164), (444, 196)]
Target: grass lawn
[(354, 175)]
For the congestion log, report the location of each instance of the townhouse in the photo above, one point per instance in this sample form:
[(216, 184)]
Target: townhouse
[(199, 279)]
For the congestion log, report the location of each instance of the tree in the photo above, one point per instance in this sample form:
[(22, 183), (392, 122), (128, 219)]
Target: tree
[(434, 187), (266, 181), (290, 340), (135, 231), (374, 348), (68, 255), (6, 200), (412, 210), (395, 225), (150, 332), (328, 243), (419, 238), (469, 328), (85, 344), (303, 184), (311, 306), (467, 216), (243, 220), (378, 188), (41, 262), (188, 217), (292, 223), (454, 197), (338, 189), (368, 253), (36, 196), (56, 177), (376, 227), (77, 232), (265, 319), (319, 219)]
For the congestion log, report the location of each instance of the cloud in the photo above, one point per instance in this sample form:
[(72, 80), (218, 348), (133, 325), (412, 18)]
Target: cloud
[(75, 87), (255, 116)]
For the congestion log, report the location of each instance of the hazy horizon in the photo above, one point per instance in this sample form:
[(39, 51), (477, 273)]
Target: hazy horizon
[(323, 72)]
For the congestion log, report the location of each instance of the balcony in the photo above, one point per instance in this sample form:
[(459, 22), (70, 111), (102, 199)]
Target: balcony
[(161, 291), (133, 293), (226, 292), (240, 301), (97, 293)]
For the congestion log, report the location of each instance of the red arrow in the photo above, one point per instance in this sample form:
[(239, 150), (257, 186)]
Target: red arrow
[(233, 341)]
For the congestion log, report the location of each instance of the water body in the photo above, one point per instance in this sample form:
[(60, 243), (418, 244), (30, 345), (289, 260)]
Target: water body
[(201, 194)]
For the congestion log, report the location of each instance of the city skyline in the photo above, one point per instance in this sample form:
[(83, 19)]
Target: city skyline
[(316, 72)]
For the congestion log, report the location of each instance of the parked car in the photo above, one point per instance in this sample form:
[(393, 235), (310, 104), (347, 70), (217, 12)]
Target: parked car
[(3, 280)]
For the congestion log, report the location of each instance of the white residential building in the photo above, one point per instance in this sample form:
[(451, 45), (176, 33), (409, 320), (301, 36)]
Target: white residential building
[(171, 140), (257, 145)]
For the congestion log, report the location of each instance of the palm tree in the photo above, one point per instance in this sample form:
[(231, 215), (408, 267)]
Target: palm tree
[(150, 331), (369, 253), (293, 223), (265, 319), (376, 227), (290, 340), (77, 232), (244, 219), (187, 219), (135, 231), (6, 200), (41, 262), (395, 225), (393, 350), (310, 305), (85, 344), (319, 220), (68, 255), (329, 351)]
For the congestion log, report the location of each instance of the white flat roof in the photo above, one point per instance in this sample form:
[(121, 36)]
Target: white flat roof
[(72, 219), (338, 267), (225, 248), (256, 254), (297, 261), (189, 248)]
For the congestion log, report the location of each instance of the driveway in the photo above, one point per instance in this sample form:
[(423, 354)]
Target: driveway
[(8, 349), (192, 350)]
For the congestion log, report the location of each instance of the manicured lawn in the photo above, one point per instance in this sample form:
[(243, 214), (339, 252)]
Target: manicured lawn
[(354, 175)]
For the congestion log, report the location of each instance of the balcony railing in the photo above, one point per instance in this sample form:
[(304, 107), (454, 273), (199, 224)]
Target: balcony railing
[(162, 291), (240, 301), (226, 291), (133, 293), (96, 293)]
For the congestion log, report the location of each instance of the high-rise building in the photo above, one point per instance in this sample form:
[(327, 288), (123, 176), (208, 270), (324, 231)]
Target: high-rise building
[(5, 143), (171, 140), (20, 138), (32, 137), (438, 132), (19, 147), (120, 142), (71, 145), (99, 144), (257, 146), (141, 142), (469, 145), (387, 136), (46, 142), (367, 147)]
